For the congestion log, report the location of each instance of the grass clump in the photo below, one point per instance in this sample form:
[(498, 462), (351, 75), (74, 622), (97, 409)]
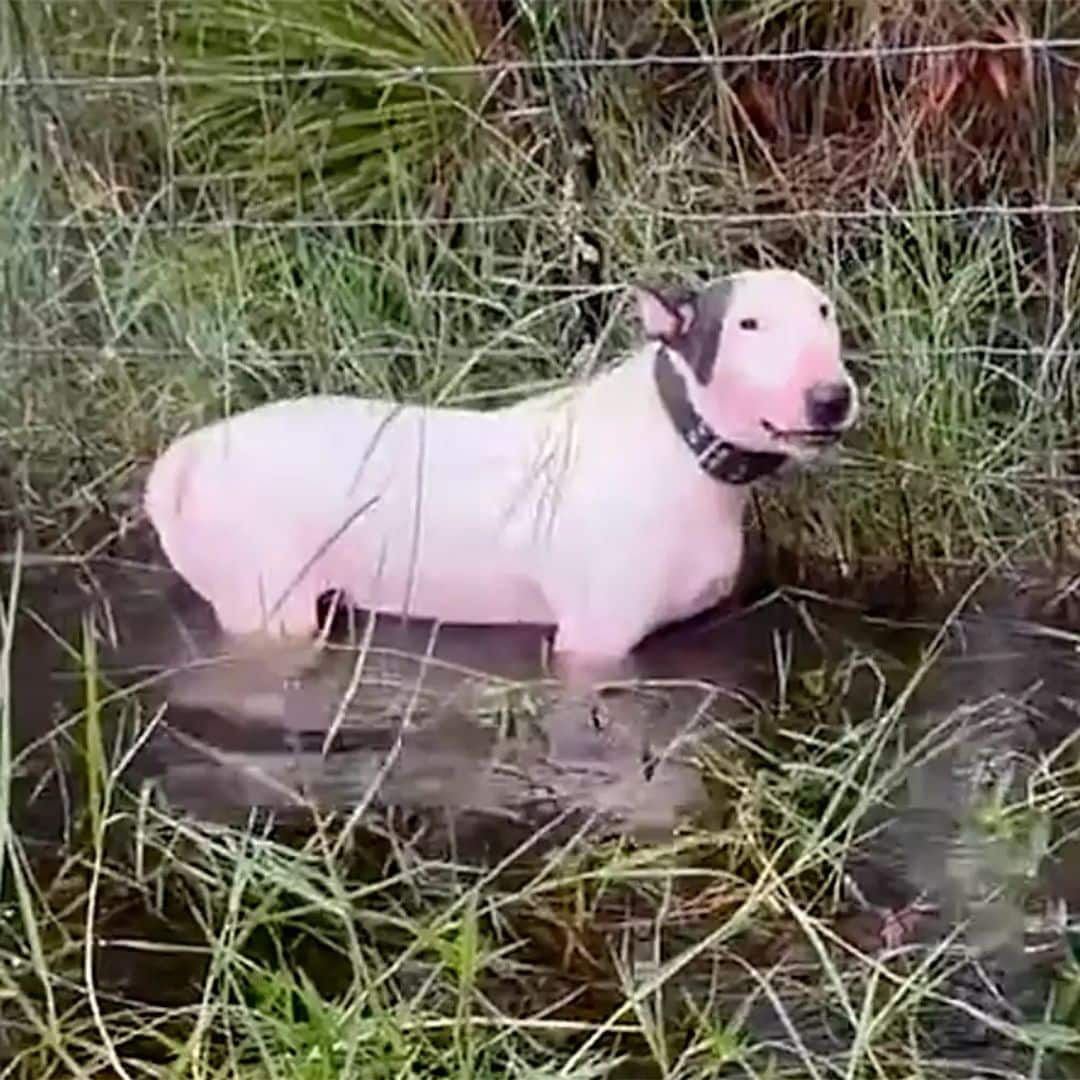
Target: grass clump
[(309, 108), (966, 401), (166, 291)]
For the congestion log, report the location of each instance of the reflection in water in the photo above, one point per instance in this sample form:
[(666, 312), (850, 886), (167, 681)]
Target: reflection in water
[(465, 723)]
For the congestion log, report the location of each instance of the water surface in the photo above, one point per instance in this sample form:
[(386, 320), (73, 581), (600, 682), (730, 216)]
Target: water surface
[(459, 728)]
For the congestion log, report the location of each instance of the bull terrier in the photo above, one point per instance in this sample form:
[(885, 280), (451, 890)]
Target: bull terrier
[(603, 511)]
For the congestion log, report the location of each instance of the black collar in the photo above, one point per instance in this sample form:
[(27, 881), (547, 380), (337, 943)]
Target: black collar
[(722, 460)]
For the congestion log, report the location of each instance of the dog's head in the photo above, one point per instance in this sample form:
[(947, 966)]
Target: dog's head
[(761, 355)]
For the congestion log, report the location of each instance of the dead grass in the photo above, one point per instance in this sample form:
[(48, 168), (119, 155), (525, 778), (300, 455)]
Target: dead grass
[(143, 942)]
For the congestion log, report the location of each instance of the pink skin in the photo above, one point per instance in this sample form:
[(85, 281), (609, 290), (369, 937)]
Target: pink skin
[(785, 412)]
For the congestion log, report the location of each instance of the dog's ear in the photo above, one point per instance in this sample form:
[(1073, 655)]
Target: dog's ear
[(666, 313)]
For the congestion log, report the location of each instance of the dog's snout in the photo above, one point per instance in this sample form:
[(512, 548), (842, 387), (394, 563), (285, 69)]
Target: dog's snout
[(828, 404)]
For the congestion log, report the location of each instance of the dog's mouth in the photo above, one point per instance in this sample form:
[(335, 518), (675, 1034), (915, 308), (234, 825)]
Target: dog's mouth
[(804, 436)]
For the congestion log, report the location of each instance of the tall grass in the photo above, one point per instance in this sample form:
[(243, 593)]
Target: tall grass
[(309, 144), (962, 454), (145, 292), (140, 312)]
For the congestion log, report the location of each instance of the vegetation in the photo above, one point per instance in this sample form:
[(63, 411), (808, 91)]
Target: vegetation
[(206, 204), (757, 941), (471, 232)]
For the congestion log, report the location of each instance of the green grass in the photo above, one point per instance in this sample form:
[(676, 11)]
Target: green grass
[(138, 310), (969, 401), (323, 146), (142, 295), (148, 943)]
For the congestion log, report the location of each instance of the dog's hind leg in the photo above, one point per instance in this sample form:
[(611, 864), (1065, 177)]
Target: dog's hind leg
[(265, 603)]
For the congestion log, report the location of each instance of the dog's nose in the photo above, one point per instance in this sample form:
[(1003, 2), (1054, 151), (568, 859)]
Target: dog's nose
[(828, 403)]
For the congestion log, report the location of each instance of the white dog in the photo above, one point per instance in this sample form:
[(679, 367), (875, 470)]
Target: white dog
[(604, 511)]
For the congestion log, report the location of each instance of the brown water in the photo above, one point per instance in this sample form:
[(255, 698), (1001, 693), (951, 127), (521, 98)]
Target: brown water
[(458, 718), (464, 718), (459, 724)]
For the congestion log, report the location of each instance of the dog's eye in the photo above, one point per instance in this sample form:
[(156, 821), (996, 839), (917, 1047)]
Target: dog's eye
[(824, 309), (749, 324)]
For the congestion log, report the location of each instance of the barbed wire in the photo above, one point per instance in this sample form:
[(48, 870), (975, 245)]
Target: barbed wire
[(764, 217), (120, 351), (160, 79)]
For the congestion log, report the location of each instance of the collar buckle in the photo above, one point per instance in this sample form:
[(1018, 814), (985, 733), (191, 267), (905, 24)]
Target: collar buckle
[(713, 455)]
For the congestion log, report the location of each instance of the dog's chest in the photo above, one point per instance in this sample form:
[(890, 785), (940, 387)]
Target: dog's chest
[(695, 589), (702, 564)]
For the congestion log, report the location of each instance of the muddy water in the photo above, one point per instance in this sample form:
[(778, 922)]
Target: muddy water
[(411, 715), (459, 724), (464, 720)]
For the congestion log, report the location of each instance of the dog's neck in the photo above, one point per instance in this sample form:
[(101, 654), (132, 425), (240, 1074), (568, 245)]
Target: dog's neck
[(722, 460)]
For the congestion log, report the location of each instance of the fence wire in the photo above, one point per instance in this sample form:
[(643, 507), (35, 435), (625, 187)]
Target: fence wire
[(634, 214), (943, 207), (1029, 47), (30, 78)]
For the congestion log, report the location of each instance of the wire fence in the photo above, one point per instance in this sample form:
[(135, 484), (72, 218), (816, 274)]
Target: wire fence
[(1030, 48), (34, 75), (632, 213), (936, 180), (44, 66), (1034, 52)]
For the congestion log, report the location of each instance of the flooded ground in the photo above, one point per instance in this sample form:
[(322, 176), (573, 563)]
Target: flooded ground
[(414, 715), (464, 721), (456, 730)]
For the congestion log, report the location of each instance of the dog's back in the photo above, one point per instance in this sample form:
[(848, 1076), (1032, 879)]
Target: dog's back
[(404, 507)]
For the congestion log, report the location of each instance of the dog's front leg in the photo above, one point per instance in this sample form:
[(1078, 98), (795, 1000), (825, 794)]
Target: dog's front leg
[(582, 677), (587, 652), (584, 660)]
